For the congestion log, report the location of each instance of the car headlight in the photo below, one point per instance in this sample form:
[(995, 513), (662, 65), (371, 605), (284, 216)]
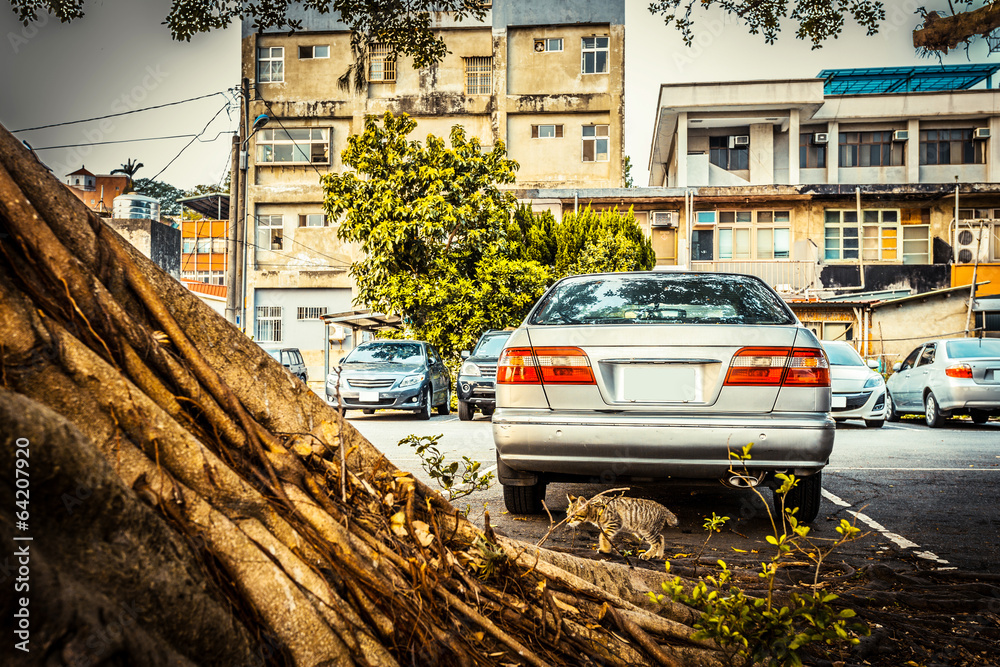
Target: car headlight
[(874, 381), (469, 368), (411, 380)]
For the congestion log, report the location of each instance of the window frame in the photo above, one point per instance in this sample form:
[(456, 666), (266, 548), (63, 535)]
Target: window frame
[(381, 53), (303, 313), (882, 225), (478, 75), (595, 51), (272, 228), (807, 148), (273, 315), (270, 59), (856, 149), (312, 51), (741, 154), (546, 43), (756, 223), (596, 139), (304, 220), (557, 131), (968, 144), (268, 138)]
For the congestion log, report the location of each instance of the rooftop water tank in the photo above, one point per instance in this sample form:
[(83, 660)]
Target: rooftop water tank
[(136, 206)]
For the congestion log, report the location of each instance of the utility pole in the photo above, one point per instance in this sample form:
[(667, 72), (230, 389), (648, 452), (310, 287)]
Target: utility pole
[(232, 283), (241, 204)]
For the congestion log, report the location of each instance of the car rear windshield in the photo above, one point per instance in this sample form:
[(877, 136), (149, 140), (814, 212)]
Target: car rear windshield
[(386, 353), (681, 298), (491, 346), (973, 347), (843, 355)]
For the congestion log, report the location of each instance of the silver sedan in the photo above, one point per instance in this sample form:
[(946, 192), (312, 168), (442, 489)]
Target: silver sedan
[(941, 378), (658, 375)]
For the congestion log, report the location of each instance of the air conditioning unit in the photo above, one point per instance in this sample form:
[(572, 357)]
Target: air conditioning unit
[(981, 133), (739, 140), (663, 219), (900, 135), (821, 137), (970, 242), (337, 333)]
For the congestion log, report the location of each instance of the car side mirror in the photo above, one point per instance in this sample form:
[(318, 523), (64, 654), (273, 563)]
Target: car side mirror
[(873, 363), (896, 366), (466, 354)]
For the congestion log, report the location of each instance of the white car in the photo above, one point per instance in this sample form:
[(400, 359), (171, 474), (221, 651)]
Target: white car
[(858, 391)]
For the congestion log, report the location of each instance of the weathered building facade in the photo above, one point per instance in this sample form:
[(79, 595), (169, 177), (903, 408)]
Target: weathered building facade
[(546, 78)]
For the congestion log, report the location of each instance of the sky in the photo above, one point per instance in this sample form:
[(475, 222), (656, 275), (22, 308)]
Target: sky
[(119, 57)]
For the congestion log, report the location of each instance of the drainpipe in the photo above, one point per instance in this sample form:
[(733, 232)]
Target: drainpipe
[(576, 202), (861, 237)]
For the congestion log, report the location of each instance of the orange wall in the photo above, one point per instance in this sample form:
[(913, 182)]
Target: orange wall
[(961, 274), (113, 186), (203, 262), (204, 228)]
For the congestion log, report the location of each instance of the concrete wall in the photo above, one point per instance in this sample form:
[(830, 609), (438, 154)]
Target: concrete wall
[(307, 335), (160, 242), (897, 328), (554, 12)]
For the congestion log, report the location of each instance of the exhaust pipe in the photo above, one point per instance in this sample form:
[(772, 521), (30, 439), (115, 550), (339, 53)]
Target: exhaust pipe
[(743, 481)]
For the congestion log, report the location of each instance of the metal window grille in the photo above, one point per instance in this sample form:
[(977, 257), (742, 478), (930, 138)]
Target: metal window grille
[(311, 312), (381, 64), (269, 324), (479, 75)]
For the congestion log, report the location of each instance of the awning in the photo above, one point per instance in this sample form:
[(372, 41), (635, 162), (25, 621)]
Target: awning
[(364, 320)]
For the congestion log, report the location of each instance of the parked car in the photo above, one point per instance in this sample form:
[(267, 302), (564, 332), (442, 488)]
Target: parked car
[(654, 376), (476, 384), (941, 378), (291, 358), (858, 391), (396, 374)]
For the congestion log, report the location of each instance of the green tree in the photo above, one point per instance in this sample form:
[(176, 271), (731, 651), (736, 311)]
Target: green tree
[(166, 193), (431, 222), (597, 241)]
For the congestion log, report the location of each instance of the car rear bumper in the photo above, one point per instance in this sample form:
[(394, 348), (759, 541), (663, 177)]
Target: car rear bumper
[(969, 396), (654, 446)]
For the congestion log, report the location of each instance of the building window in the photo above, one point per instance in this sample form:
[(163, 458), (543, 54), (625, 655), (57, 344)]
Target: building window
[(269, 232), (268, 324), (311, 52), (312, 220), (916, 244), (479, 75), (595, 55), (218, 277), (381, 64), (951, 147), (311, 312), (548, 44), (879, 240), (546, 131), (595, 143), (271, 64), (811, 154), (731, 159), (188, 275), (298, 146), (702, 245), (870, 149), (219, 246), (754, 234), (188, 246)]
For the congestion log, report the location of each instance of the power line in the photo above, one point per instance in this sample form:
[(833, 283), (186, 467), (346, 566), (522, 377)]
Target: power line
[(188, 145), (282, 125), (114, 115), (121, 141)]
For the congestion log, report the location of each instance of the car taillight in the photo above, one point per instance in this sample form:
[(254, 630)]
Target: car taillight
[(546, 365), (779, 366), (959, 371)]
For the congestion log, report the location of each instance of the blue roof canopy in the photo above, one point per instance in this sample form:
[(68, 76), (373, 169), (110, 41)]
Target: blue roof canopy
[(874, 80)]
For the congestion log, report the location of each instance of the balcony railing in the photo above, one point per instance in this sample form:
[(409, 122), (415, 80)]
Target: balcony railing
[(784, 276)]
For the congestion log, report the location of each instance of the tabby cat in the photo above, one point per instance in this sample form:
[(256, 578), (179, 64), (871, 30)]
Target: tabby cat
[(643, 518)]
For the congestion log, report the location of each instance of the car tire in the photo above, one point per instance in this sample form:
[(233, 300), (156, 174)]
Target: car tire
[(932, 411), (874, 423), (367, 411), (979, 416), (524, 499), (465, 411), (890, 414), (807, 495), (445, 408), (424, 413)]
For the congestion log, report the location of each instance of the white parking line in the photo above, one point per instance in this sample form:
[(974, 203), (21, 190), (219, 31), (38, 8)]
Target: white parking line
[(898, 539), (969, 469)]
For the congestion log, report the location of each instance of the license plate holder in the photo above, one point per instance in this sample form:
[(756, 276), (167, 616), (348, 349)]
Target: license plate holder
[(839, 402), (659, 383), (368, 397)]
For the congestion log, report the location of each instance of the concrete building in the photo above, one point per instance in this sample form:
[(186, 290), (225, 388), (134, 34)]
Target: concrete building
[(547, 78), (158, 241), (204, 251), (96, 191)]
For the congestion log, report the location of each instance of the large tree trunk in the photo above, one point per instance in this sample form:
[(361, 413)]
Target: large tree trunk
[(192, 503), (944, 33)]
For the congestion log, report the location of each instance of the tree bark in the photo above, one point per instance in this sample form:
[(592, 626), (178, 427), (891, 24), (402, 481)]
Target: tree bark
[(944, 33)]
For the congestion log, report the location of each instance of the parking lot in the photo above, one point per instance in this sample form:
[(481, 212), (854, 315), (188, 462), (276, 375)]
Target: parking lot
[(923, 495)]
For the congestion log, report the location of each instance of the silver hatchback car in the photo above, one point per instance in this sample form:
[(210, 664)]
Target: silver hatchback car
[(941, 378), (654, 375)]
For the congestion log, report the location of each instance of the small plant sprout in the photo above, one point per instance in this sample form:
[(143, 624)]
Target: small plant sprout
[(456, 478)]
